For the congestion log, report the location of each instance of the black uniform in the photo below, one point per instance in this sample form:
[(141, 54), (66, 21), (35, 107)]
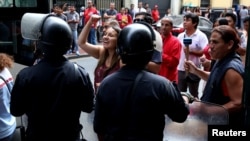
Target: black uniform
[(52, 94), (140, 117)]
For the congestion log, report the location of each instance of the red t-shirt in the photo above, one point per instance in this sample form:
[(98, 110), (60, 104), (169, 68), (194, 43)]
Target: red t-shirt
[(206, 53), (170, 58), (87, 14), (155, 15)]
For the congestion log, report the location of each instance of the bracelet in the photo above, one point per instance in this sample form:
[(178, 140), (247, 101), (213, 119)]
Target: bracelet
[(189, 96)]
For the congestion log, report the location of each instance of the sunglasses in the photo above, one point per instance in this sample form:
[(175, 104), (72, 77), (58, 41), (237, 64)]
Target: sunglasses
[(138, 20)]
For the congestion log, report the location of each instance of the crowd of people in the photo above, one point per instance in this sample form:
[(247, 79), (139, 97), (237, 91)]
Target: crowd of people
[(77, 19), (141, 75)]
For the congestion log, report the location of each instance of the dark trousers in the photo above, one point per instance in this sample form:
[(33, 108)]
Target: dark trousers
[(184, 84)]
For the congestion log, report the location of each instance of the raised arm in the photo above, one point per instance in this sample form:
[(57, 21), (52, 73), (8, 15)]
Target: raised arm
[(93, 50)]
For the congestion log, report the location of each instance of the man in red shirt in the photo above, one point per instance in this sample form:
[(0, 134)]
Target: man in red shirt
[(171, 51), (90, 10), (155, 14)]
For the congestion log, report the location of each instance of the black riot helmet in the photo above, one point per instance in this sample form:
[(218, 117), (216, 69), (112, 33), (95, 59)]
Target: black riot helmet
[(56, 36), (136, 44)]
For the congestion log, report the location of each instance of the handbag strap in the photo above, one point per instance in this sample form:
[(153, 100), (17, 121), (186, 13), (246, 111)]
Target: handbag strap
[(5, 83)]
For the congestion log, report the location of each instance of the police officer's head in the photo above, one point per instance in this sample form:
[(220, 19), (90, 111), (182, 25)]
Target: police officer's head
[(56, 36), (136, 44)]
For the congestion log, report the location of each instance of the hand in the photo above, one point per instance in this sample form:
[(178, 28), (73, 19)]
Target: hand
[(190, 67), (206, 64), (98, 84), (186, 99), (95, 18), (186, 50), (202, 59)]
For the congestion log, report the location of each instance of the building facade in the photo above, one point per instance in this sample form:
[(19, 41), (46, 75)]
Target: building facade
[(163, 5)]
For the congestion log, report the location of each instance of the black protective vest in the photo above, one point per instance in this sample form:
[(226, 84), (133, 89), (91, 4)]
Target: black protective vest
[(213, 92)]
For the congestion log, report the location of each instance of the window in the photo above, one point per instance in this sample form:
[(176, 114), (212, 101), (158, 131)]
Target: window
[(6, 3), (235, 2), (26, 3), (205, 3), (205, 23)]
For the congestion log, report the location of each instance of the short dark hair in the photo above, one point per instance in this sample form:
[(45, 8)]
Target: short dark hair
[(72, 4), (193, 17), (246, 19), (222, 21), (147, 17), (227, 34), (232, 15)]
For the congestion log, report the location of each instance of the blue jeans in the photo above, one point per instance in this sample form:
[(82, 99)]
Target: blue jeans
[(74, 43), (92, 36)]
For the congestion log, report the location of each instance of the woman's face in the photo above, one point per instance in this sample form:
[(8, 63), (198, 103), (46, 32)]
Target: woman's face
[(218, 48), (216, 23), (246, 25), (110, 38)]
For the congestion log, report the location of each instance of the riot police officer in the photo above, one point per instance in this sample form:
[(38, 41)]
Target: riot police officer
[(131, 103), (54, 92)]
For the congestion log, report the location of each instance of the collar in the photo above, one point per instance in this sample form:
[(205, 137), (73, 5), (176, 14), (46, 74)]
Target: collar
[(194, 34)]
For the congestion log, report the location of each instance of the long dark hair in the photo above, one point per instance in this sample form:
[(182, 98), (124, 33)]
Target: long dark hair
[(115, 58), (227, 34)]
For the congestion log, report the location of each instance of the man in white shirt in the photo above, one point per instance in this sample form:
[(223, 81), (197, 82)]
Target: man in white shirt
[(140, 8), (190, 81), (243, 14)]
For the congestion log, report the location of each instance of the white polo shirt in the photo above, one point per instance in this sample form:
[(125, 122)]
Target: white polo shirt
[(199, 42)]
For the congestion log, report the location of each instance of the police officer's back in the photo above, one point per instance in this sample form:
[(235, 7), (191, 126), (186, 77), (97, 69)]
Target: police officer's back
[(53, 92), (120, 114)]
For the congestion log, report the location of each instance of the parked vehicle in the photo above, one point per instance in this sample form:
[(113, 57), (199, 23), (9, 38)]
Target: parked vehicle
[(205, 25)]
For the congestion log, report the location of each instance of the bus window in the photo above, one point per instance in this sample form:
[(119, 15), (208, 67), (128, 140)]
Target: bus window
[(6, 3), (26, 3), (6, 41), (11, 40)]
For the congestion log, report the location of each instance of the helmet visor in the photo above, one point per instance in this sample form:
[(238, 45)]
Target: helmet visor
[(31, 25)]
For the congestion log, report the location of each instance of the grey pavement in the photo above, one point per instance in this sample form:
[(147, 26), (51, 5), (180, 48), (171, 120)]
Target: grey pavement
[(82, 53)]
